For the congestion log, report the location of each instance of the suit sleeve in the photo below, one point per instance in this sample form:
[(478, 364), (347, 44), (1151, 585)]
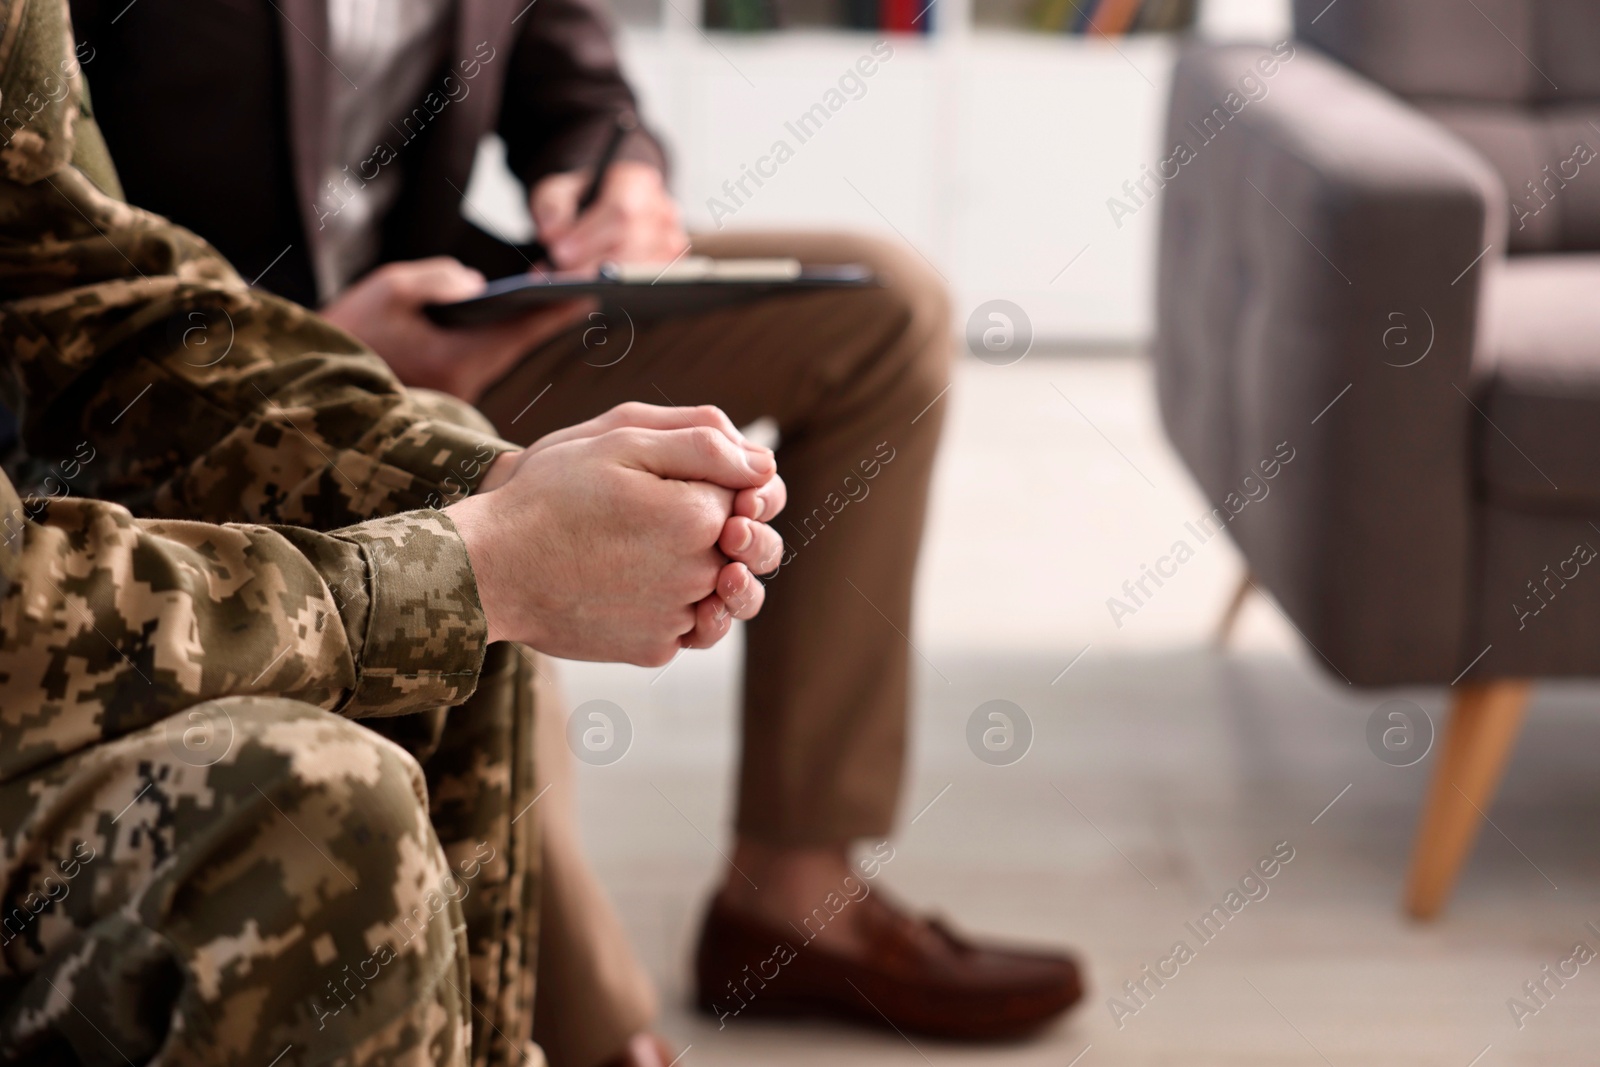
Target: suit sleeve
[(562, 91), (129, 336), (110, 623)]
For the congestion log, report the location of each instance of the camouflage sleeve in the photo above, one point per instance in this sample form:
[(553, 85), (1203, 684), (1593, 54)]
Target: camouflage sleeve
[(109, 623), (202, 397)]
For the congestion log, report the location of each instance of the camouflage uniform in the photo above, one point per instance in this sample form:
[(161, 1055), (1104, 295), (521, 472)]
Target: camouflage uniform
[(203, 859)]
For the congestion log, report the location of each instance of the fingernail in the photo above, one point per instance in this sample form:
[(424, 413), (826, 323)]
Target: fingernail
[(749, 535), (764, 460), (761, 508)]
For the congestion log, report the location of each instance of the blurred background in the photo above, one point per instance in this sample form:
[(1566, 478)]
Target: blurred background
[(987, 142), (1162, 760)]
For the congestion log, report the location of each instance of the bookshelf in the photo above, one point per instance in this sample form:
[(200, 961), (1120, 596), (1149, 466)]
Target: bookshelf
[(1081, 17), (1211, 17)]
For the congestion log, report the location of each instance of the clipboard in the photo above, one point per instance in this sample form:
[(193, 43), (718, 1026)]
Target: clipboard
[(651, 291)]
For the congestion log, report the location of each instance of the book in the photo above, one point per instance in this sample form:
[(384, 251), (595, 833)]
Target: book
[(860, 14), (1114, 17), (742, 15), (897, 15), (1082, 15), (1165, 16), (1052, 15)]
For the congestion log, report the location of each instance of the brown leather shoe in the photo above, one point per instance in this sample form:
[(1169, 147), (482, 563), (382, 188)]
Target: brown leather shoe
[(644, 1050), (916, 975)]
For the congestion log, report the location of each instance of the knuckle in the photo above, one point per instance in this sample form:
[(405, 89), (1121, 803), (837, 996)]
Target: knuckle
[(657, 655), (625, 438), (630, 409), (700, 581), (399, 286), (709, 526), (689, 518), (705, 440), (682, 530)]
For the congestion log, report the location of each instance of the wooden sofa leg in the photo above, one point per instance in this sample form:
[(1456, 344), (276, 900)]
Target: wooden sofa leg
[(1477, 742), (1230, 615)]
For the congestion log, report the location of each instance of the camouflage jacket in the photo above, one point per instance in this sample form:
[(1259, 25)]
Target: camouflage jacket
[(144, 369)]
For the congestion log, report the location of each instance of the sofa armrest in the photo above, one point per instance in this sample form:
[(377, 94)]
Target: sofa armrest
[(1317, 234)]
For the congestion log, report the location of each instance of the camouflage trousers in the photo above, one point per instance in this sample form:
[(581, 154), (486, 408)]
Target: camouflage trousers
[(257, 881)]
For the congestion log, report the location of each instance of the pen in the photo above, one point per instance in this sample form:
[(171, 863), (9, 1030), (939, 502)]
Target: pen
[(624, 124)]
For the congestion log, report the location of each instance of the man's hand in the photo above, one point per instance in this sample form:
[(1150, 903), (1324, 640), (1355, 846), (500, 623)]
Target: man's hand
[(621, 546), (634, 221), (384, 310), (751, 501)]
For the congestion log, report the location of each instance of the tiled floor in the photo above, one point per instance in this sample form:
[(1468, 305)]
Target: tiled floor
[(1161, 770)]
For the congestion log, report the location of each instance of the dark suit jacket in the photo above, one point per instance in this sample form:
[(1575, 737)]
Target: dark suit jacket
[(215, 113)]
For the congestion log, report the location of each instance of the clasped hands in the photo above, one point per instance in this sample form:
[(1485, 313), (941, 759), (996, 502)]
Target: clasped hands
[(627, 537)]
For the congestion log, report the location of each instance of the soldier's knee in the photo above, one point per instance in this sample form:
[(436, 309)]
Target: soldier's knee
[(295, 747), (259, 767), (286, 859), (350, 782), (363, 801)]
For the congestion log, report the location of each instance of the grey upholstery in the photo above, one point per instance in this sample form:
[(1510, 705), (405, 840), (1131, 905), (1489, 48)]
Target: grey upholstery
[(1325, 232), (1540, 355), (1519, 80), (1507, 51), (1549, 162)]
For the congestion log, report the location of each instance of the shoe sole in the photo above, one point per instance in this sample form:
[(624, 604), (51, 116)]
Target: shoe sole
[(1017, 1026)]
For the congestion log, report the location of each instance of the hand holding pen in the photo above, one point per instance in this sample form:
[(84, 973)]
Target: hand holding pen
[(617, 210)]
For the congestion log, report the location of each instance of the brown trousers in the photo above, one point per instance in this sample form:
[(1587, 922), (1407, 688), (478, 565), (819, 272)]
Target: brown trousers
[(855, 380)]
